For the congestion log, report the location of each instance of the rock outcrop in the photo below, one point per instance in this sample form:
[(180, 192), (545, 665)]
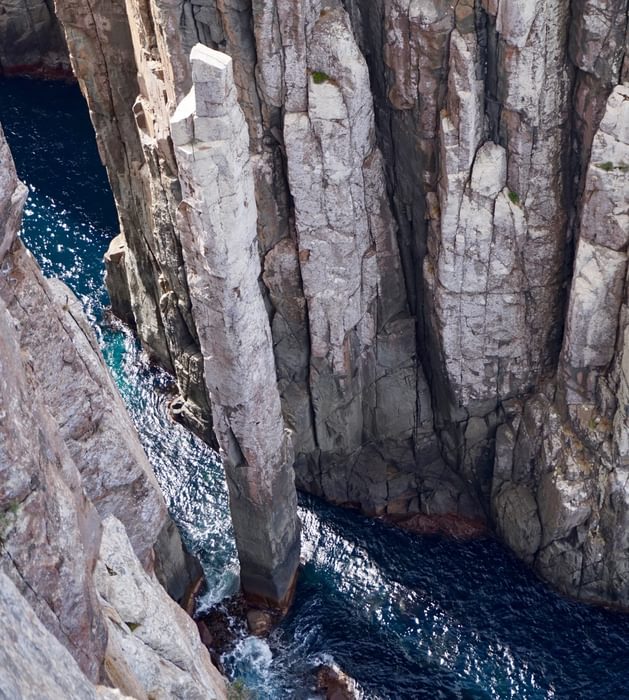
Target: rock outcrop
[(34, 664), (70, 459), (31, 40), (560, 489), (217, 224), (153, 646), (440, 197)]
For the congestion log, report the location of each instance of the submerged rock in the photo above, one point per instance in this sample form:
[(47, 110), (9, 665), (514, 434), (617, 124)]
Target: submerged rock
[(259, 622), (336, 684)]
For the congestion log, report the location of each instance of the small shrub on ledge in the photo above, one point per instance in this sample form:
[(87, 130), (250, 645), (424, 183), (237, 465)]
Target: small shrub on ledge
[(608, 166)]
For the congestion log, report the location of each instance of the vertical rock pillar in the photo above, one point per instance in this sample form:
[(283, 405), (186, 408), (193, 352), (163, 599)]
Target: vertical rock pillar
[(217, 220)]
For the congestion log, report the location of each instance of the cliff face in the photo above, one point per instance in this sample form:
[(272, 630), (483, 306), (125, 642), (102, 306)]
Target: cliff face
[(75, 484), (440, 198), (31, 40)]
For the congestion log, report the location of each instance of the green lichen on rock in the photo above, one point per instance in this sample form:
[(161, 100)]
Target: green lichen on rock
[(608, 166), (238, 690), (514, 197), (7, 519), (318, 77)]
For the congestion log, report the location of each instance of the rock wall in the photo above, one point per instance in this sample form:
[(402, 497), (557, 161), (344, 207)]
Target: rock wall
[(31, 40), (441, 220), (71, 464), (560, 483)]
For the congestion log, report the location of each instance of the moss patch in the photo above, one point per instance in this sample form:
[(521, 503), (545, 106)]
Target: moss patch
[(318, 77), (7, 520), (514, 197), (608, 166), (238, 690)]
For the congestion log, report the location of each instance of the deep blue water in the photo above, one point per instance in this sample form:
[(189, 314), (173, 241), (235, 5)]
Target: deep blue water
[(406, 616)]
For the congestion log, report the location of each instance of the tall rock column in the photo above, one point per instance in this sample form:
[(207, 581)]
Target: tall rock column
[(217, 221)]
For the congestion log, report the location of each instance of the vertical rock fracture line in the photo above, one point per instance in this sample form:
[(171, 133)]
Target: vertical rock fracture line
[(217, 220)]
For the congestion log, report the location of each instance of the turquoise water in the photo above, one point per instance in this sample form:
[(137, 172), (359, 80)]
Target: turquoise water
[(406, 616)]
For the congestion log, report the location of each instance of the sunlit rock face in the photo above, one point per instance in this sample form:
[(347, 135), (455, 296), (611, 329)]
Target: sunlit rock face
[(153, 647), (563, 473), (69, 459), (440, 219), (34, 663), (217, 223)]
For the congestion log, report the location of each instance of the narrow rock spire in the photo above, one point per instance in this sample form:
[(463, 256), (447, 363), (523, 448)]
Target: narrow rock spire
[(217, 220)]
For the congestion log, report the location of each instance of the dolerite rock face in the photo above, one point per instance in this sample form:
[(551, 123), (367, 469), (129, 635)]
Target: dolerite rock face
[(361, 337), (40, 487), (34, 664), (40, 497), (69, 458), (560, 484), (495, 263), (441, 220), (31, 40), (79, 392), (153, 644), (218, 235)]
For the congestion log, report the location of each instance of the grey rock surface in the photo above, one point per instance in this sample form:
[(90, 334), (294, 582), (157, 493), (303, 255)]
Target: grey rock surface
[(31, 40), (362, 349), (437, 193), (218, 234), (34, 664), (69, 456), (78, 390), (152, 643), (50, 532), (13, 195)]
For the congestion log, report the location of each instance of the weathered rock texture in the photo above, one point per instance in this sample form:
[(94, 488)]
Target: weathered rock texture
[(31, 40), (440, 192), (34, 664), (69, 458), (218, 236), (560, 486), (152, 643)]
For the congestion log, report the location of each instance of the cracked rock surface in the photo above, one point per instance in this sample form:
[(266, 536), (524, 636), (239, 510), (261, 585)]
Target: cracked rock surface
[(431, 240), (69, 459), (218, 232)]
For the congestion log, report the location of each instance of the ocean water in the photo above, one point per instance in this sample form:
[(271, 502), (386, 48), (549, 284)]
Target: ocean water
[(405, 616)]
